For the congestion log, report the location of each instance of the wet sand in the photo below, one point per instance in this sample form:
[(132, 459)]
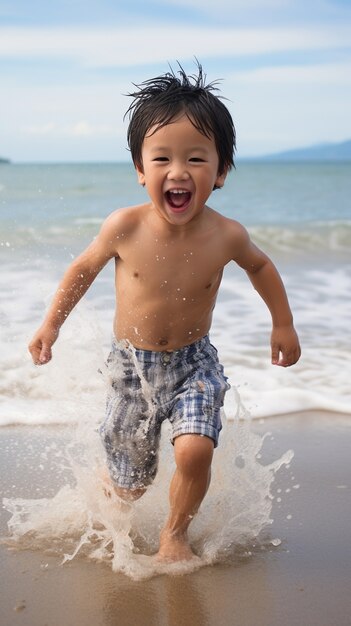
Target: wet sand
[(303, 581)]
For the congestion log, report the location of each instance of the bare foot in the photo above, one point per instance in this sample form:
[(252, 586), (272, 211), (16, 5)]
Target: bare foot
[(174, 548)]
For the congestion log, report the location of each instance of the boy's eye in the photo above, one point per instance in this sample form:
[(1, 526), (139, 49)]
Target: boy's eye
[(162, 159), (197, 160)]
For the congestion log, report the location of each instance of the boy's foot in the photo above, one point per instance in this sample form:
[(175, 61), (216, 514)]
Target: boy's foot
[(174, 548)]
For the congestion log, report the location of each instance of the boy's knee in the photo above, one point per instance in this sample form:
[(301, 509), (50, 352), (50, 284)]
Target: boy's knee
[(129, 495), (193, 453)]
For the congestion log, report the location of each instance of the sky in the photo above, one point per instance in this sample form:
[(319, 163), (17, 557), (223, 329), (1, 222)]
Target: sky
[(67, 66)]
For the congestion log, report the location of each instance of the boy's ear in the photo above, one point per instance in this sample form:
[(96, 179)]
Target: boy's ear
[(140, 174), (220, 180)]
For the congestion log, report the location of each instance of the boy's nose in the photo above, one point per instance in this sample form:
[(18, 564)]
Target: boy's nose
[(178, 171)]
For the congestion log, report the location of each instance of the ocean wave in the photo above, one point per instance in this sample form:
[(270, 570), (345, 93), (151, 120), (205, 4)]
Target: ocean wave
[(77, 232), (312, 237), (88, 220), (68, 391)]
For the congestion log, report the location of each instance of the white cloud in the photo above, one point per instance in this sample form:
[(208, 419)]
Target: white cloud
[(279, 108), (81, 128), (233, 5), (268, 11), (42, 129), (327, 74), (84, 128), (114, 47), (274, 107)]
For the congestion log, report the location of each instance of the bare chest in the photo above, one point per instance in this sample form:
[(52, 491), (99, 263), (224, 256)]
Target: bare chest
[(180, 271)]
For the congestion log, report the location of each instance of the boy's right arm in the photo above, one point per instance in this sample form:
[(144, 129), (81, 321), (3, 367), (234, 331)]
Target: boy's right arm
[(75, 282)]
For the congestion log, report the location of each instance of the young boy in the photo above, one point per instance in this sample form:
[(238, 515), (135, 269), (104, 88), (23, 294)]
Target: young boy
[(169, 257)]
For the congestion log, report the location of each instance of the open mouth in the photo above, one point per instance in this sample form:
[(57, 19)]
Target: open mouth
[(178, 199)]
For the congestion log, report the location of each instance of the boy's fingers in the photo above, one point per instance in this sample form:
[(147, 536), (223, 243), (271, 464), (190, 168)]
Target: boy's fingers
[(275, 354), (40, 354), (287, 358), (35, 353), (45, 353)]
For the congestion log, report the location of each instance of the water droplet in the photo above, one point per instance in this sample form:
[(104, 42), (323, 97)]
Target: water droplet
[(276, 542), (240, 462)]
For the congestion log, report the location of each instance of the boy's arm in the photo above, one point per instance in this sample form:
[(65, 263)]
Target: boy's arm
[(267, 281), (284, 340), (75, 282)]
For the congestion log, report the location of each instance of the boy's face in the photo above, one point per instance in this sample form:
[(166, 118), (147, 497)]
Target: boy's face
[(179, 170)]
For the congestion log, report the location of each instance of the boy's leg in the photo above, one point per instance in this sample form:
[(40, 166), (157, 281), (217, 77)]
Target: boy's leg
[(193, 456), (131, 430)]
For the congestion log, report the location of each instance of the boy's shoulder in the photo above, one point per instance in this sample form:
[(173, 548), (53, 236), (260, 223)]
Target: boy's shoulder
[(129, 212), (126, 218), (230, 234), (226, 223)]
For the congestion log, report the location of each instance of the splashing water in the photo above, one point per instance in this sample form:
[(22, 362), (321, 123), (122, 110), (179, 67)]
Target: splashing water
[(85, 518), (82, 520)]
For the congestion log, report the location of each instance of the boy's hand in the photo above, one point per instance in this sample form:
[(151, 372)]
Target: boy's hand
[(40, 346), (285, 346)]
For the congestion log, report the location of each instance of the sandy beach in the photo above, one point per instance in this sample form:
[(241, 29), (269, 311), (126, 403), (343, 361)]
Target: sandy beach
[(305, 580)]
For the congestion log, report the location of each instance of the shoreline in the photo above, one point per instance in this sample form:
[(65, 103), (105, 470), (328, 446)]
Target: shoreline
[(304, 580)]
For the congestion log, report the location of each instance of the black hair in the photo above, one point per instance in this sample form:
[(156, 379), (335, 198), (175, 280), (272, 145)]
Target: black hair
[(159, 100)]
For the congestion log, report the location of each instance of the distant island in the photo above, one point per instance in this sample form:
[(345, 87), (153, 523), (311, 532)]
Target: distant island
[(2, 160), (322, 152)]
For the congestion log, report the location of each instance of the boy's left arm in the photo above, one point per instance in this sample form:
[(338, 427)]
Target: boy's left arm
[(285, 344), (266, 280)]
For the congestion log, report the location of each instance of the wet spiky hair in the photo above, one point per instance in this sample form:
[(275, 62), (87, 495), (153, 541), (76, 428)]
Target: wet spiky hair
[(159, 100)]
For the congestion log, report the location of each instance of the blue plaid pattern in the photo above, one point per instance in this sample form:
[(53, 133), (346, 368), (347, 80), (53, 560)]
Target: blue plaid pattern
[(186, 386)]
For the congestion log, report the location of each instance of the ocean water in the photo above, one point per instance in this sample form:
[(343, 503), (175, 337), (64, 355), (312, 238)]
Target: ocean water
[(300, 214)]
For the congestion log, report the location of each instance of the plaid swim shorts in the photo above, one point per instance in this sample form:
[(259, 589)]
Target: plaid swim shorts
[(186, 386)]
